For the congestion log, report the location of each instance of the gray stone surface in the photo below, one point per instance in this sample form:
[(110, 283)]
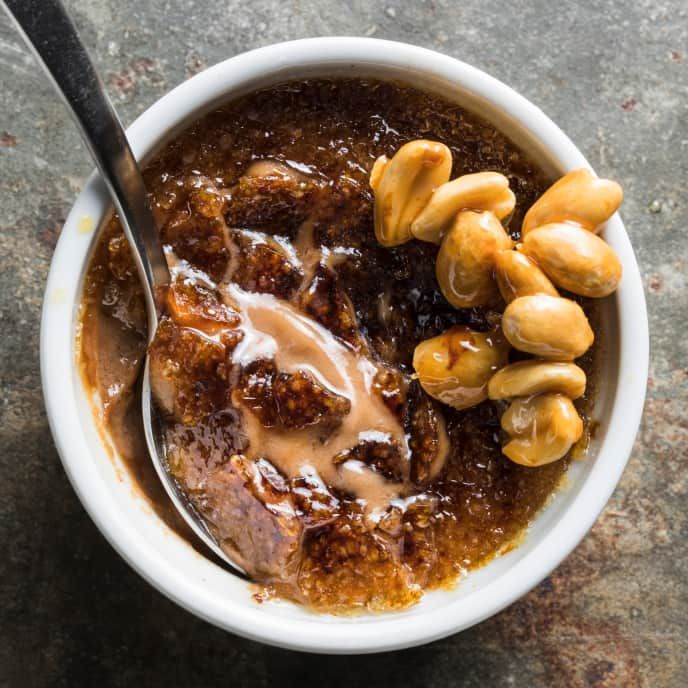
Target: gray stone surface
[(614, 75)]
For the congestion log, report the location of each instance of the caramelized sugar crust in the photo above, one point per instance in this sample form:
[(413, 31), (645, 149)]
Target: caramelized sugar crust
[(302, 231)]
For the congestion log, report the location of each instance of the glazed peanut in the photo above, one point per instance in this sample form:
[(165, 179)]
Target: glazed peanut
[(525, 378), (547, 326), (542, 429), (578, 197), (476, 263), (403, 186), (574, 259), (465, 262), (517, 275), (480, 191), (456, 366)]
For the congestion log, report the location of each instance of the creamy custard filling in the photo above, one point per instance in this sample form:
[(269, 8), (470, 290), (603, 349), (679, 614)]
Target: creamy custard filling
[(366, 492)]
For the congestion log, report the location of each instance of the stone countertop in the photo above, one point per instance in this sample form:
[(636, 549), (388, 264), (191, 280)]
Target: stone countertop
[(614, 76)]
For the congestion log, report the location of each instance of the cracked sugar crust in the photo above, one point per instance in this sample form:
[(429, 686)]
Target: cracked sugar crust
[(228, 219), (190, 371), (289, 400), (263, 266)]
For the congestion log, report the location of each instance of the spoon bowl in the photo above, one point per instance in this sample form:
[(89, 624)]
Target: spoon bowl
[(152, 428)]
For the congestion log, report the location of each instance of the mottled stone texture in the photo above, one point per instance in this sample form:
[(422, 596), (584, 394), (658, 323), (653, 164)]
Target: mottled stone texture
[(614, 75)]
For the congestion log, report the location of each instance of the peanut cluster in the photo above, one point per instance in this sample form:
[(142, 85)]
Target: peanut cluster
[(478, 265)]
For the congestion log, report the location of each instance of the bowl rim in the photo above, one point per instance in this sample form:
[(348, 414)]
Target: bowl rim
[(58, 370)]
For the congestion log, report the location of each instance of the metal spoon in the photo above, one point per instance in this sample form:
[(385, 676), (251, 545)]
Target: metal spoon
[(52, 37)]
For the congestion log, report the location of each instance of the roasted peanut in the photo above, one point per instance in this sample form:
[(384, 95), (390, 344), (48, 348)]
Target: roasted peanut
[(574, 259), (525, 378), (517, 275), (542, 429), (403, 186), (466, 259), (547, 326), (577, 197), (456, 366), (480, 191)]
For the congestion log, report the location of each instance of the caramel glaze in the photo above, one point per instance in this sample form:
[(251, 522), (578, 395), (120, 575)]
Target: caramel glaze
[(266, 211)]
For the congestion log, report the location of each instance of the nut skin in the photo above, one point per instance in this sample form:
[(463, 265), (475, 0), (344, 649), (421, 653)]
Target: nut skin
[(574, 259), (466, 259), (455, 366), (550, 327), (577, 197), (479, 191), (517, 275), (403, 186), (526, 378), (542, 429)]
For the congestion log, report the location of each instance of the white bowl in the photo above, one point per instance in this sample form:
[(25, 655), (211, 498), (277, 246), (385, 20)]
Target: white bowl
[(168, 562)]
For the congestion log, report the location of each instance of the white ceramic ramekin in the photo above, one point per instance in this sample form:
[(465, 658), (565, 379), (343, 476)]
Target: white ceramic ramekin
[(197, 584)]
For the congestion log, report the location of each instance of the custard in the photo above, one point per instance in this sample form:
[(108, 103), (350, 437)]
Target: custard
[(283, 367)]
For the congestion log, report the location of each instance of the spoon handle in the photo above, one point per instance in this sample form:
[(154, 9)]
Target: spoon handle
[(50, 33)]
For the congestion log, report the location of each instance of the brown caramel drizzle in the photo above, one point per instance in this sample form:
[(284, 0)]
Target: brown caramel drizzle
[(277, 330), (274, 329)]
